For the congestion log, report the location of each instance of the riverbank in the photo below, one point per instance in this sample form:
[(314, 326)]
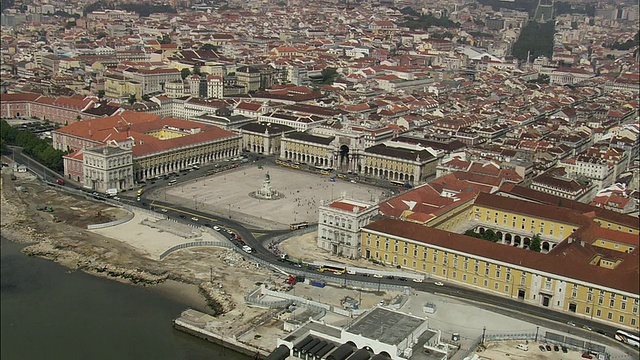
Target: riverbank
[(61, 236)]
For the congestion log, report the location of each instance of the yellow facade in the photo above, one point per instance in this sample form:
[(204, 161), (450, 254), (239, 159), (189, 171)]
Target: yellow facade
[(613, 226), (508, 280)]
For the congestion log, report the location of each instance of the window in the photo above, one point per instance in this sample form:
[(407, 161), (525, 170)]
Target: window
[(612, 302), (633, 322), (433, 269), (508, 276), (506, 288), (435, 256), (495, 285), (453, 274), (587, 310), (464, 277), (598, 313), (523, 278), (466, 263), (498, 271), (623, 305), (455, 261), (621, 319), (486, 270), (590, 295), (486, 283), (609, 315), (475, 280), (444, 272), (424, 267), (477, 266)]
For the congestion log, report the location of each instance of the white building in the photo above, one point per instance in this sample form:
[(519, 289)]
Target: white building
[(107, 167), (339, 226)]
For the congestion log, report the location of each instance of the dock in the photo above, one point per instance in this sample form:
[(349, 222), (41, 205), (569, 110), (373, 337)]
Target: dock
[(196, 323)]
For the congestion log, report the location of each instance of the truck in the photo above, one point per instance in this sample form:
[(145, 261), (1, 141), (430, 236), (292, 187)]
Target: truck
[(60, 181), (318, 283), (112, 192)]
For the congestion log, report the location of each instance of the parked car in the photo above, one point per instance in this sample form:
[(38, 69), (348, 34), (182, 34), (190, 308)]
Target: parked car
[(194, 218), (571, 323), (548, 347), (416, 280), (541, 348), (564, 349), (377, 276), (587, 356), (556, 348), (216, 227), (601, 332), (438, 283), (587, 327), (182, 216)]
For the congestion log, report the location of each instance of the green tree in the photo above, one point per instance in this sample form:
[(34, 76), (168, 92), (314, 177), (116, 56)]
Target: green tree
[(196, 70), (145, 97), (101, 94), (132, 99), (70, 24), (535, 40), (329, 75), (184, 73), (211, 47), (536, 243)]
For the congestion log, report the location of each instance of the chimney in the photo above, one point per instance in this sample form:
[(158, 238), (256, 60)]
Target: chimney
[(582, 243)]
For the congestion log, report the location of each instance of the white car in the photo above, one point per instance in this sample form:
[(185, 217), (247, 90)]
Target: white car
[(216, 228), (377, 276), (194, 218), (164, 210), (438, 283), (416, 280)]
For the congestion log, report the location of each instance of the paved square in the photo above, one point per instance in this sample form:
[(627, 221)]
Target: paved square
[(227, 194)]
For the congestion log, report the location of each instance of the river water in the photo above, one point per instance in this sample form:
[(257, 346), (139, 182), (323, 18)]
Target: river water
[(51, 313)]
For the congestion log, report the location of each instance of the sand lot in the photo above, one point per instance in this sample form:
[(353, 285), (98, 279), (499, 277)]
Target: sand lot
[(507, 350), (227, 193)]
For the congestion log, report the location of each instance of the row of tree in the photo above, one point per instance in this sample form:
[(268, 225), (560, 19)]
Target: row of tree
[(424, 22), (33, 146), (144, 9), (536, 39)]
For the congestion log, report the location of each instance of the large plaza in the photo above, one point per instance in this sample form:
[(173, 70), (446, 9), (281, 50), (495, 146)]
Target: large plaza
[(228, 194)]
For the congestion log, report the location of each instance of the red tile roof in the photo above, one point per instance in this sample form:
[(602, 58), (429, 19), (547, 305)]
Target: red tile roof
[(566, 259)]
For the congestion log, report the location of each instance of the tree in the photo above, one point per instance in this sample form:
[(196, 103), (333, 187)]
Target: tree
[(536, 243), (101, 94), (184, 73), (145, 97), (196, 70), (131, 99), (211, 47), (535, 40), (329, 75), (70, 24)]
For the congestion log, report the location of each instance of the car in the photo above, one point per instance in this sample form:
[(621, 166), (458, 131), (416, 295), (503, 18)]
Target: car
[(548, 347), (556, 348), (390, 277), (564, 349), (194, 218), (438, 283), (116, 198), (402, 279), (216, 228), (571, 323), (541, 348), (353, 181), (182, 216), (138, 198), (601, 332), (365, 274), (587, 327), (416, 280), (164, 210), (587, 356), (377, 276)]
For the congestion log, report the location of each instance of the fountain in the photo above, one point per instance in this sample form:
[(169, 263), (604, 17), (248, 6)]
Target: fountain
[(266, 192)]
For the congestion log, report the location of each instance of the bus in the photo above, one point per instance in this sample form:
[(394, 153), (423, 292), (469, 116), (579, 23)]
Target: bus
[(627, 338), (334, 269), (299, 225)]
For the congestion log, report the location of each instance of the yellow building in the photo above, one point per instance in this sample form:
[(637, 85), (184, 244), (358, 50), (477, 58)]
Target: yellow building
[(117, 87), (584, 274), (399, 162)]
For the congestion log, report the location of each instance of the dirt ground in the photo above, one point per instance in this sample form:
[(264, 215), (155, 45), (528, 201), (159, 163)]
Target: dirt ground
[(507, 350)]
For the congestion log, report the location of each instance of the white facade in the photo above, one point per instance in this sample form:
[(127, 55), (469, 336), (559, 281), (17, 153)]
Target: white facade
[(107, 167), (339, 226)]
